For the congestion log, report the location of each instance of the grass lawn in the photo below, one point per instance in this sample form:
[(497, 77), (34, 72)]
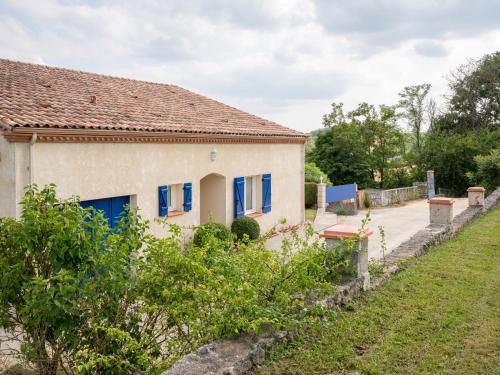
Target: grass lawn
[(310, 214), (441, 315)]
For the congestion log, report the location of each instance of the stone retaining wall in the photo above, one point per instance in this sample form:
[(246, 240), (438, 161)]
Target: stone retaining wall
[(236, 356), (399, 195)]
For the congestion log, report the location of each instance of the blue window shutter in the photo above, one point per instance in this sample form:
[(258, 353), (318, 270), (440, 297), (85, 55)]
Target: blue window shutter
[(266, 193), (188, 196), (112, 208), (103, 205), (239, 196), (118, 208), (163, 200)]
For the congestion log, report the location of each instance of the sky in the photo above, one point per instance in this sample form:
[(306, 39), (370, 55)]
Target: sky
[(284, 60)]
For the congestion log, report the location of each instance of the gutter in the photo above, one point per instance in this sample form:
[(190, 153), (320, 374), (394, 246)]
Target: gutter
[(57, 135), (30, 167)]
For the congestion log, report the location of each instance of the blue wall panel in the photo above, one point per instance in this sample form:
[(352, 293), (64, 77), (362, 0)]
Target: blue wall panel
[(340, 192)]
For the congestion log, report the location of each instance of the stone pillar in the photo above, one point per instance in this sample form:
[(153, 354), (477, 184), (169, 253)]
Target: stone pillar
[(321, 198), (431, 192), (441, 211), (358, 264), (476, 196)]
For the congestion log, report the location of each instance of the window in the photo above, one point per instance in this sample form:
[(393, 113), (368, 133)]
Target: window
[(173, 197), (250, 194)]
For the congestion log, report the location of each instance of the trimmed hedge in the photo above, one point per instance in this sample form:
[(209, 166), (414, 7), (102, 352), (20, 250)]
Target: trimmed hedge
[(311, 194), (245, 225)]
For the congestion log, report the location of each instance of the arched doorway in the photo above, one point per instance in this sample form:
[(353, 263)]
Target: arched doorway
[(213, 198)]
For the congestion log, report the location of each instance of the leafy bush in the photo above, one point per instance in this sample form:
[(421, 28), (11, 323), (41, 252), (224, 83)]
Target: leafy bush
[(64, 273), (245, 225), (367, 202), (488, 170), (204, 293), (79, 295), (311, 194), (316, 175), (212, 229), (397, 177)]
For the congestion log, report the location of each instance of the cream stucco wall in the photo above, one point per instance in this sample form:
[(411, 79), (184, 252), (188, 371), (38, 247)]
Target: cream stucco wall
[(101, 170), (7, 178), (14, 176)]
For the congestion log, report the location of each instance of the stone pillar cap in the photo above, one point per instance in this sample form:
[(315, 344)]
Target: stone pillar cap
[(344, 232), (444, 201), (476, 189)]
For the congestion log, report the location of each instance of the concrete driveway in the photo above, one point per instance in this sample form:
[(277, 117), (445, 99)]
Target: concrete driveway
[(399, 223)]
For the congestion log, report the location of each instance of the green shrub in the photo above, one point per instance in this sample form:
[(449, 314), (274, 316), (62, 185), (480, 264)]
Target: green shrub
[(316, 175), (204, 232), (488, 170), (95, 301), (245, 225), (375, 268), (311, 194), (396, 178), (342, 208), (64, 273), (203, 294), (367, 202)]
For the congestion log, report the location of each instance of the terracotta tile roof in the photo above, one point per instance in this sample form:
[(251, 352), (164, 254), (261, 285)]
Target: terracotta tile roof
[(38, 96)]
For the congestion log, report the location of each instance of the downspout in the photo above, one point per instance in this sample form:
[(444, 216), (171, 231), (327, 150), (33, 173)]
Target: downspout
[(32, 143)]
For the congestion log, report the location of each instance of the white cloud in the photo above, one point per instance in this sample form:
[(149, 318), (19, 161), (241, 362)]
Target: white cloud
[(284, 60), (430, 48)]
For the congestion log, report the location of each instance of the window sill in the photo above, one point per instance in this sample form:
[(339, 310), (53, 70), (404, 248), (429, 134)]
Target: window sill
[(253, 215), (175, 213)]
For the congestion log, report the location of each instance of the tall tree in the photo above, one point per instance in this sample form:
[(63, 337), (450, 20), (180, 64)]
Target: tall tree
[(342, 155), (432, 113), (389, 142), (474, 102), (413, 103), (382, 137), (336, 115), (358, 146)]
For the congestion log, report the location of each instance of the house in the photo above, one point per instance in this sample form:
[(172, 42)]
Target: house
[(173, 153)]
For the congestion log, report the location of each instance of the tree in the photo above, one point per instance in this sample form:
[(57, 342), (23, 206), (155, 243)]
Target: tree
[(474, 102), (451, 156), (382, 138), (342, 155), (336, 116), (413, 104), (432, 113), (388, 143), (469, 125), (311, 143), (360, 146)]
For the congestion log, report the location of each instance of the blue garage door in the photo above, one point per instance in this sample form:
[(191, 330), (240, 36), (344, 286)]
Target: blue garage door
[(111, 207)]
